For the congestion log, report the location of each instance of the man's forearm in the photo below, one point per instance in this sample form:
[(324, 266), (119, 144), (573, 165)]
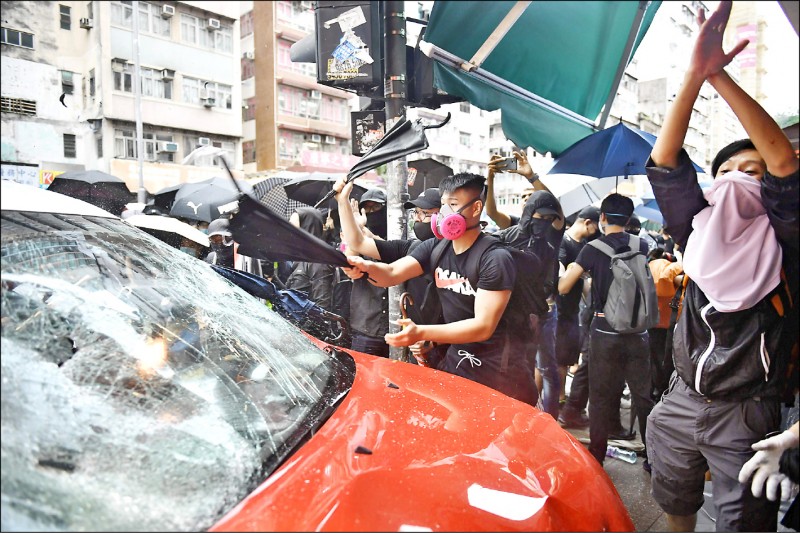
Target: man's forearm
[(676, 123), (767, 136)]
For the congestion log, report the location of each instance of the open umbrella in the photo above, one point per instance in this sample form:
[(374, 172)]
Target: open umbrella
[(206, 201), (168, 229), (96, 187), (575, 192), (429, 172), (315, 186), (612, 152), (270, 192), (165, 197)]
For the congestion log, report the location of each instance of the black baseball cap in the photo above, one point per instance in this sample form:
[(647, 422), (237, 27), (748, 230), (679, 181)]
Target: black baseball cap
[(544, 203), (428, 199), (590, 212), (375, 194)]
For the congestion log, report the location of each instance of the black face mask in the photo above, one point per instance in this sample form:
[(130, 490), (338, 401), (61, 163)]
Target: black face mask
[(538, 227), (376, 222), (423, 230), (224, 254)]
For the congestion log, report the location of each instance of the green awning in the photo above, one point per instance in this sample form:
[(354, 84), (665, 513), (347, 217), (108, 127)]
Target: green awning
[(551, 73)]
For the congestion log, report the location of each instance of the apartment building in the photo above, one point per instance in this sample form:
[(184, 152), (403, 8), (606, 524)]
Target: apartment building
[(289, 120), (68, 79)]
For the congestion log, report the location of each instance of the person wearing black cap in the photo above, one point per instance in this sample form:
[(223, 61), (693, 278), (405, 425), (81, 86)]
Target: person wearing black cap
[(539, 232), (571, 331), (425, 308), (615, 356), (369, 305)]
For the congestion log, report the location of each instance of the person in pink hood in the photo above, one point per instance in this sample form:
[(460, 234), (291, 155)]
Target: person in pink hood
[(732, 342)]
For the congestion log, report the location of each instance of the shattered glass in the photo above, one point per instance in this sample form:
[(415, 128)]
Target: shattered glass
[(141, 390)]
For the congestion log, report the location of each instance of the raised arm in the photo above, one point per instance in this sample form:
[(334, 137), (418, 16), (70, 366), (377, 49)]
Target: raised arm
[(767, 136), (501, 219), (707, 59), (354, 236)]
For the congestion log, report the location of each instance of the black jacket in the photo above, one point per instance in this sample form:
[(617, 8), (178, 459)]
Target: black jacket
[(741, 354)]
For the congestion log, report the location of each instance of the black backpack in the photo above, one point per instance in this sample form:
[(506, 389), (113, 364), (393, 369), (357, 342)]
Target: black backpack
[(528, 294)]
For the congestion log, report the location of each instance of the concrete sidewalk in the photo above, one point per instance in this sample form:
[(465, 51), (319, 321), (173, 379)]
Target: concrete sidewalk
[(633, 485)]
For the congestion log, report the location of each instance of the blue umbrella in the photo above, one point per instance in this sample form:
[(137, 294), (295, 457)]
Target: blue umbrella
[(649, 210), (615, 151)]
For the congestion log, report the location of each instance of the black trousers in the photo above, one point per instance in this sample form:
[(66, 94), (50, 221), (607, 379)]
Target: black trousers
[(661, 366), (616, 359)]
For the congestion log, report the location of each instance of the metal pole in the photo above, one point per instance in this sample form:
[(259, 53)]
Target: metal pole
[(394, 91), (137, 105)]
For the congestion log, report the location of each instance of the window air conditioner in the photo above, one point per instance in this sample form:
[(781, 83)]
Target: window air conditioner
[(209, 102), (118, 64), (248, 55), (167, 11), (167, 146), (315, 137), (316, 95), (167, 74), (87, 23), (330, 139), (203, 141), (213, 24)]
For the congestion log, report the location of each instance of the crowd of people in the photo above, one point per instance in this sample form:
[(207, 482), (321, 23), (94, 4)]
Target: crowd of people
[(522, 309)]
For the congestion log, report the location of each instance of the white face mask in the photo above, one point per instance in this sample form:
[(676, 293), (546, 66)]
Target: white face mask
[(601, 228)]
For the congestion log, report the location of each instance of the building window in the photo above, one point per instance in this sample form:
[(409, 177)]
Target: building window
[(249, 152), (91, 82), (193, 31), (17, 38), (99, 143), (125, 146), (66, 82), (18, 106), (193, 141), (248, 68), (246, 24), (150, 19), (464, 138), (189, 28), (193, 90), (249, 109), (69, 146), (66, 17), (153, 83), (464, 107)]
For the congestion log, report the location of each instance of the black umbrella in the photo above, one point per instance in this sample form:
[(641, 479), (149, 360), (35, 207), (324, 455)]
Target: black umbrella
[(309, 189), (166, 197), (429, 173), (270, 193), (263, 234), (405, 137), (206, 201), (98, 188)]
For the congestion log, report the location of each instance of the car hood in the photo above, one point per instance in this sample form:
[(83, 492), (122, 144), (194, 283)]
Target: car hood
[(416, 449)]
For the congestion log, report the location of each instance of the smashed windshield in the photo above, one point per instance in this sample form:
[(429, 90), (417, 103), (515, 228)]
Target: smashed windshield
[(141, 390)]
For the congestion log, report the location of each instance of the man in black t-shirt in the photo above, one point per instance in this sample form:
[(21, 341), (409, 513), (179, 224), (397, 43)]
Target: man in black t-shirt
[(616, 357), (483, 347), (569, 330), (358, 241)]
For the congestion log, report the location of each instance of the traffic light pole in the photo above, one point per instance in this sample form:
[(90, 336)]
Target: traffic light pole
[(394, 91)]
